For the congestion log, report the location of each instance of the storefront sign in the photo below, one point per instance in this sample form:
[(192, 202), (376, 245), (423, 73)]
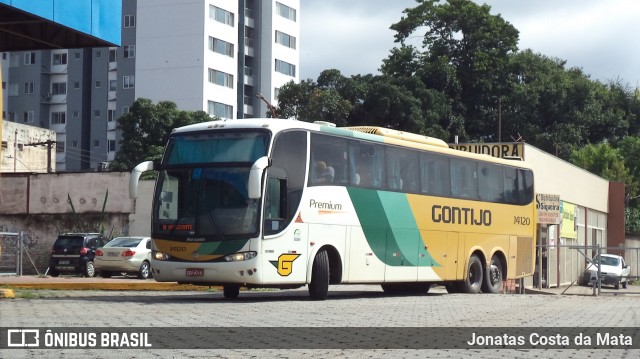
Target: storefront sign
[(548, 208), (568, 229), (500, 150)]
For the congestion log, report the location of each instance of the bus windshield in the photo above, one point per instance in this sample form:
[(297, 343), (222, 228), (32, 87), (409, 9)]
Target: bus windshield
[(202, 186)]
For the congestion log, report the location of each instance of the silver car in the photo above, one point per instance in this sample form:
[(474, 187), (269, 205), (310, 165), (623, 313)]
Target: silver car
[(131, 255)]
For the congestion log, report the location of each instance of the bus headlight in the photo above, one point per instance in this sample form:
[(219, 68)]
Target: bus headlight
[(160, 255), (238, 257)]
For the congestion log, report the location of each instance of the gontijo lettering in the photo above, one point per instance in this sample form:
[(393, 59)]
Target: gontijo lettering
[(460, 215)]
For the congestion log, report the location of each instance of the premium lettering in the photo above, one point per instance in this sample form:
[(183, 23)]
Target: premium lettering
[(460, 215), (325, 205)]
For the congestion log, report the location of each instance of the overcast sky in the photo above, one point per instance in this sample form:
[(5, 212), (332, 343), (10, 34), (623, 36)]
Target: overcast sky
[(598, 36)]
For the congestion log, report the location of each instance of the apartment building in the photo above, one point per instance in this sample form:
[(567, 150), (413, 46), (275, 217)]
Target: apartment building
[(225, 57)]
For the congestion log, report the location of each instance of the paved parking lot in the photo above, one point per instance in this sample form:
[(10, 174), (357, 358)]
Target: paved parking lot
[(358, 307)]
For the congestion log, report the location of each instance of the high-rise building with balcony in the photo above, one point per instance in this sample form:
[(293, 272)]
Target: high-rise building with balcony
[(225, 57)]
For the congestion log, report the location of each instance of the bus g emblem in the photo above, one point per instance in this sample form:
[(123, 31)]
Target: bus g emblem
[(284, 264)]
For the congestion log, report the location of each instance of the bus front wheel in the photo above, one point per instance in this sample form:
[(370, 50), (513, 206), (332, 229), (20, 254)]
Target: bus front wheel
[(475, 276), (319, 286)]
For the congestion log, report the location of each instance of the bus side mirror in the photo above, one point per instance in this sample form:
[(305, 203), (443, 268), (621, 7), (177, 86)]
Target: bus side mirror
[(135, 177), (254, 188)]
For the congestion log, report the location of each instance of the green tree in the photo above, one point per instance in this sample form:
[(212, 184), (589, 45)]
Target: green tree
[(465, 56), (603, 160), (146, 128)]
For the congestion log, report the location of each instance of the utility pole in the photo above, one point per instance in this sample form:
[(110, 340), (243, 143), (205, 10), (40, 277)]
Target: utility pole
[(49, 144), (15, 146)]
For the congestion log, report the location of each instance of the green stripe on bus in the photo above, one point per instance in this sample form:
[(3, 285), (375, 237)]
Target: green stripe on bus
[(222, 247), (389, 227), (353, 134)]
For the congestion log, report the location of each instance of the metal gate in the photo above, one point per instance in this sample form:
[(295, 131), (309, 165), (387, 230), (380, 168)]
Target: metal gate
[(11, 253)]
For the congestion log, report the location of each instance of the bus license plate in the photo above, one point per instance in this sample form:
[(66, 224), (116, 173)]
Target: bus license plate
[(63, 262), (195, 272)]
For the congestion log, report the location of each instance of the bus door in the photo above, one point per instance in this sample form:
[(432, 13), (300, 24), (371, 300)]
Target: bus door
[(364, 266)]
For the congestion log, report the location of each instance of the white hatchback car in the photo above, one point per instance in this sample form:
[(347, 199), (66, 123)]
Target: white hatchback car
[(613, 271), (124, 255)]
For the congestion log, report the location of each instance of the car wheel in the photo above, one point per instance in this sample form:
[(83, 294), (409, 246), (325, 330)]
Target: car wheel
[(89, 269), (617, 286), (624, 284), (145, 270)]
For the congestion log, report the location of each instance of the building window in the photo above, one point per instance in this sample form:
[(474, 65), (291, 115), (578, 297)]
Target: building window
[(111, 144), (130, 51), (286, 11), (125, 110), (74, 143), (29, 87), (96, 113), (76, 55), (220, 110), (29, 58), (129, 21), (96, 143), (76, 84), (12, 116), (60, 146), (113, 55), (220, 78), (111, 115), (285, 39), (76, 114), (58, 88), (128, 82), (98, 53), (221, 15), (113, 85), (58, 118), (221, 47), (285, 68), (60, 59), (27, 116), (98, 84)]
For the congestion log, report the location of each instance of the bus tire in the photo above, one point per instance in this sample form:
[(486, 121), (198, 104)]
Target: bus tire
[(493, 277), (472, 284), (231, 291), (319, 286)]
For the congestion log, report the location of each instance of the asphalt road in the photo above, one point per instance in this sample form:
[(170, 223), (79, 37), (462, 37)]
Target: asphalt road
[(265, 316)]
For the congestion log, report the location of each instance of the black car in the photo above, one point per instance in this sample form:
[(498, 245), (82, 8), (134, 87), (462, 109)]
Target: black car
[(74, 253)]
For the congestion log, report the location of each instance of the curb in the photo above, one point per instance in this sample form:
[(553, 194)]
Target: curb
[(7, 293)]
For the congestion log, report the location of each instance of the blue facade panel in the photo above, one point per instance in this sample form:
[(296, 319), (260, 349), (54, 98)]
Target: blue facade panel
[(98, 18)]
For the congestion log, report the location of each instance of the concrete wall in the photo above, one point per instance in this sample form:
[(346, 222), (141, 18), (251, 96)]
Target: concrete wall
[(45, 205), (22, 158)]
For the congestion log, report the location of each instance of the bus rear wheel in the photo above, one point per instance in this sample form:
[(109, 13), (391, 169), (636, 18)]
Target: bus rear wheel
[(231, 291), (493, 277), (319, 286), (475, 276)]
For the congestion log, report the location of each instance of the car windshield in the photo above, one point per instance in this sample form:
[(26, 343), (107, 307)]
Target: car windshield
[(68, 242), (610, 261), (124, 242)]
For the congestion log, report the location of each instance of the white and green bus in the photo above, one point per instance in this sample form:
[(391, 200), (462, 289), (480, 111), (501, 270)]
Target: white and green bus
[(282, 203)]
